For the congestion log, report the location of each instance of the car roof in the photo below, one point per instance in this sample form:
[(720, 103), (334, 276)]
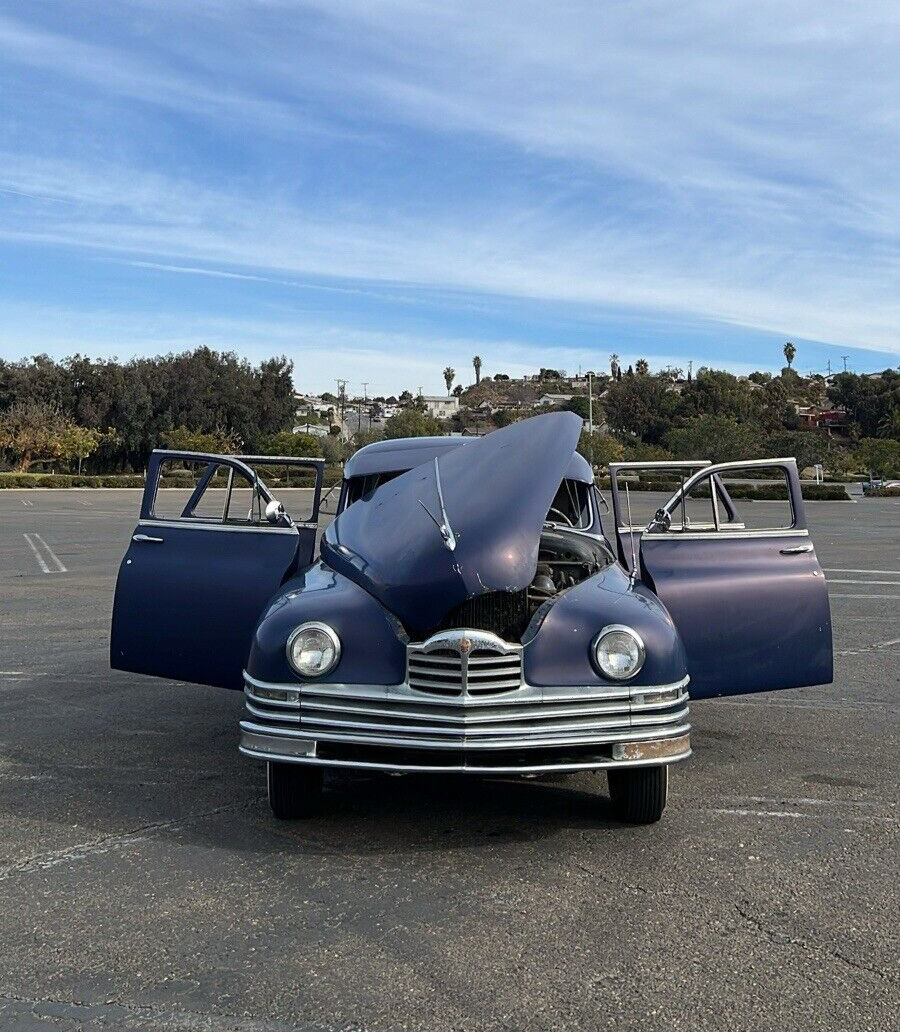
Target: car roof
[(407, 452)]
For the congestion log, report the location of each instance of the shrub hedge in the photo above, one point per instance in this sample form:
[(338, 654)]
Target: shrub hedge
[(69, 480), (332, 476)]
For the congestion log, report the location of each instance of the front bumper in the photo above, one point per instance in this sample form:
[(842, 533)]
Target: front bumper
[(528, 730)]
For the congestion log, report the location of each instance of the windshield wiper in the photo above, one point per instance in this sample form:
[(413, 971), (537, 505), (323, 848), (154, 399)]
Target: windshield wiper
[(443, 525)]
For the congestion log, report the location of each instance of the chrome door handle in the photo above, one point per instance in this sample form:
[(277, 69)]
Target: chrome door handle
[(796, 550), (147, 537)]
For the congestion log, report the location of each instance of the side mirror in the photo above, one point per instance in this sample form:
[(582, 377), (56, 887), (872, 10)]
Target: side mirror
[(662, 520), (275, 512)]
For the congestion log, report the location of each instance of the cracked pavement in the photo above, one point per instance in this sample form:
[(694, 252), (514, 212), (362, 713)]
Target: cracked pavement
[(144, 885)]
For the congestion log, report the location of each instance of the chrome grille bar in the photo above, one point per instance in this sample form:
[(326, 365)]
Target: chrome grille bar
[(463, 663)]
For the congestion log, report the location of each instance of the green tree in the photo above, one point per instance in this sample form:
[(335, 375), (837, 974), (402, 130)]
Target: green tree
[(217, 442), (600, 449), (614, 365), (642, 367), (641, 405), (77, 443), (714, 437), (808, 447), (364, 437), (715, 392), (476, 362), (411, 423), (790, 353), (449, 377), (287, 443), (30, 432), (879, 456)]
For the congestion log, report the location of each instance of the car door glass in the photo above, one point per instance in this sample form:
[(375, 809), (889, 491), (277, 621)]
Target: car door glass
[(242, 501), (760, 496), (178, 481)]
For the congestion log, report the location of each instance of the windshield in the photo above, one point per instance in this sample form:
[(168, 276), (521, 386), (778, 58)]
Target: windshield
[(571, 506)]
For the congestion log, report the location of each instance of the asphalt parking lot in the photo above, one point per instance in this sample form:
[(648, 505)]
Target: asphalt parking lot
[(144, 884)]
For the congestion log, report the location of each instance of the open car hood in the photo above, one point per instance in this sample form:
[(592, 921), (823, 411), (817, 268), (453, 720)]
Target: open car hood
[(496, 492)]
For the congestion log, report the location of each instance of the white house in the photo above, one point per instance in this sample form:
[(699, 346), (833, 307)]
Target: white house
[(440, 406), (551, 400), (313, 429)]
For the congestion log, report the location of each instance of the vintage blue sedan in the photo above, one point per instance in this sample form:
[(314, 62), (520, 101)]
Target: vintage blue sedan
[(468, 611)]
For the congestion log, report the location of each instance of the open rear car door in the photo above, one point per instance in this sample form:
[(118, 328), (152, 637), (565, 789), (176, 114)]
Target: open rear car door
[(745, 590), (207, 554)]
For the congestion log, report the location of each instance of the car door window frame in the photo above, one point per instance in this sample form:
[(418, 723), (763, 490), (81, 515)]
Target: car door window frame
[(798, 527), (235, 464)]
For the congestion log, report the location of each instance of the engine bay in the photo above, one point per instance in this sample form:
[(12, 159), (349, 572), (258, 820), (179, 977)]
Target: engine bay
[(565, 558)]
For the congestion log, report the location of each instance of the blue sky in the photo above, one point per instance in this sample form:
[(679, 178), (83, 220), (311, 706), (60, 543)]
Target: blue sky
[(379, 189)]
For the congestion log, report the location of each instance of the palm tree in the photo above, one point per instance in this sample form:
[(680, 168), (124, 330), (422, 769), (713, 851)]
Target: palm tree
[(614, 365), (789, 352), (476, 361), (449, 377), (642, 367)]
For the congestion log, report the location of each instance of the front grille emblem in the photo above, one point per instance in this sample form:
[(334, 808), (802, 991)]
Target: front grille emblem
[(464, 645)]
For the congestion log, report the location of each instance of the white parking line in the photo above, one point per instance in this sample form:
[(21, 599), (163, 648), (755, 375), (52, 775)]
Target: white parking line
[(841, 580), (26, 504), (51, 555), (828, 569), (868, 648), (838, 594), (54, 557), (37, 554)]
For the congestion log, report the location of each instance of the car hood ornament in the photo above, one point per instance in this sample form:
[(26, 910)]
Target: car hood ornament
[(491, 499)]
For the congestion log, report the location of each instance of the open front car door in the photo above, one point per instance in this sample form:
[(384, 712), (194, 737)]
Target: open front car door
[(744, 587), (211, 548)]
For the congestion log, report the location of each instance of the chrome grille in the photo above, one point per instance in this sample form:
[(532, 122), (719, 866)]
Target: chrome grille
[(464, 663)]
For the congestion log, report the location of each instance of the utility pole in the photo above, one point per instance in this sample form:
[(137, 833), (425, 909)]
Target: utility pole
[(590, 403), (366, 400), (342, 396), (829, 367), (845, 357), (591, 414)]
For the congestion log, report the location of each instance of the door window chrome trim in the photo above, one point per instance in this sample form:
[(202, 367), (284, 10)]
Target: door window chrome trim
[(191, 525), (719, 535)]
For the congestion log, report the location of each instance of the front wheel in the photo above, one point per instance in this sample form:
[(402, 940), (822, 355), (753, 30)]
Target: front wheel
[(295, 790), (638, 794)]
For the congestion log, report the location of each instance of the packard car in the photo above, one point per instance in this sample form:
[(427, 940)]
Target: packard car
[(471, 608)]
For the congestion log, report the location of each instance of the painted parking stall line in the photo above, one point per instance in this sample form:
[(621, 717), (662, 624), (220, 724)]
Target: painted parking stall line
[(847, 580), (47, 559), (842, 569)]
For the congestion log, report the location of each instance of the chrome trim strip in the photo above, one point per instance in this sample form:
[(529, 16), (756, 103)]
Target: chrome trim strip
[(528, 693), (718, 535), (529, 742), (479, 720), (259, 747), (196, 525)]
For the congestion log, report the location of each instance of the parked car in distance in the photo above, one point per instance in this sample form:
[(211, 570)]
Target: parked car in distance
[(879, 484), (469, 610)]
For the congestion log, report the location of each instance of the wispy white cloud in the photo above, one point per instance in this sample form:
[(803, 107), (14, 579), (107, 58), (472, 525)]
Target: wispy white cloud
[(730, 162), (112, 210)]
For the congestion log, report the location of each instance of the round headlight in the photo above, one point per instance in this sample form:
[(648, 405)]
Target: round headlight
[(313, 649), (618, 652)]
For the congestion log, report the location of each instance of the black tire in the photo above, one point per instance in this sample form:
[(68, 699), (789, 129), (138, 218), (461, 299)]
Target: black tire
[(295, 790), (639, 793)]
